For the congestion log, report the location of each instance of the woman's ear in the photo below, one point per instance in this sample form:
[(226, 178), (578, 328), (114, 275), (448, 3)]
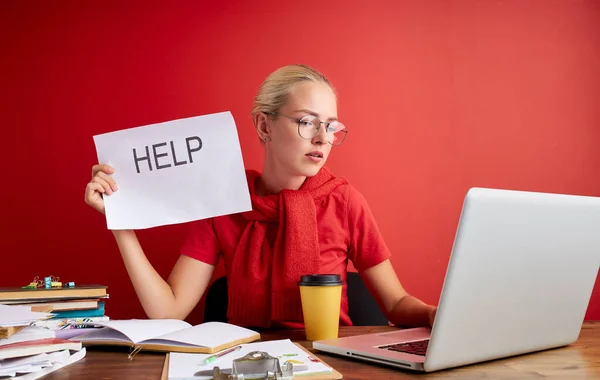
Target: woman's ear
[(263, 129)]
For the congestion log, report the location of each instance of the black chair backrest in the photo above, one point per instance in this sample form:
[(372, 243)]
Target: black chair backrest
[(216, 301), (362, 307)]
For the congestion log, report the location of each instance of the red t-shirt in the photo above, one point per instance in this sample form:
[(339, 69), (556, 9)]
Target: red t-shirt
[(346, 227)]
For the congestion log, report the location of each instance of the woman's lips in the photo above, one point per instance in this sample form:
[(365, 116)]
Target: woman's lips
[(315, 156)]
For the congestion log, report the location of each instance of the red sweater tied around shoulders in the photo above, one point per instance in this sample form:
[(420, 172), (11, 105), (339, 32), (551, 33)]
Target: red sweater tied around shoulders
[(263, 282)]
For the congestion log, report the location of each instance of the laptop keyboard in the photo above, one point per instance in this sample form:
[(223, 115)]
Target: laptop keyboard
[(416, 348)]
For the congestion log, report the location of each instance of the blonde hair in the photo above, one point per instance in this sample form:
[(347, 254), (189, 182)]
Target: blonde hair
[(273, 92)]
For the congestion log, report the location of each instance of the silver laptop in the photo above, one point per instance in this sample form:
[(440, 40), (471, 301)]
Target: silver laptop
[(519, 280)]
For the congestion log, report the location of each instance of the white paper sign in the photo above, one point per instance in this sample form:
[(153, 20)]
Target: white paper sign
[(174, 172)]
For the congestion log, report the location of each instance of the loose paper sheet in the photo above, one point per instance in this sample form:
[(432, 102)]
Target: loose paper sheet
[(185, 366), (174, 172), (16, 315)]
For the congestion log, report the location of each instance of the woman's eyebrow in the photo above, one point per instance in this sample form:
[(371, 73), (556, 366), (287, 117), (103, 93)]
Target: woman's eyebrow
[(314, 114)]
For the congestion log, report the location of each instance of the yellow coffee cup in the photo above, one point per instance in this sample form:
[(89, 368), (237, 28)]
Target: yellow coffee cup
[(321, 296)]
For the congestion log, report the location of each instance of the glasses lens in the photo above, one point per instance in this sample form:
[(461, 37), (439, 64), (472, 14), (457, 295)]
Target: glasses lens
[(307, 127), (336, 133)]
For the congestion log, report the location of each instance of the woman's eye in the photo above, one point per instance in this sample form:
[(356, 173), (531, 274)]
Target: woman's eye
[(334, 127)]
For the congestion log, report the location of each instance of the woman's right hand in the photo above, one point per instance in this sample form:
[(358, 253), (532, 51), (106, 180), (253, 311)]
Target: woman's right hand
[(101, 183)]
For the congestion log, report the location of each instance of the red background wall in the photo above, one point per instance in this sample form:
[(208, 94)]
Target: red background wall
[(439, 96)]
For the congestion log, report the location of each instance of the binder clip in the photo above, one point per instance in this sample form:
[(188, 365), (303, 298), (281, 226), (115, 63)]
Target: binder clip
[(255, 365), (33, 284), (52, 282), (48, 282)]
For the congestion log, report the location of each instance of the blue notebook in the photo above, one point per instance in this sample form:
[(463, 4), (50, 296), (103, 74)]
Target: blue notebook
[(97, 312)]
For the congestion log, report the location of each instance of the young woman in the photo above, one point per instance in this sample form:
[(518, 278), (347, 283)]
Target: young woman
[(304, 220)]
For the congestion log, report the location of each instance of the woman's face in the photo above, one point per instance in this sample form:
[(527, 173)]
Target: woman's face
[(292, 154)]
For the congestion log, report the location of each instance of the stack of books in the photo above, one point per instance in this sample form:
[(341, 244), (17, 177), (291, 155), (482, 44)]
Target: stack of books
[(30, 352), (70, 306)]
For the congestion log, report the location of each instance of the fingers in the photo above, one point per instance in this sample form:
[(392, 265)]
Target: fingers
[(93, 196), (102, 168), (90, 189), (101, 174), (103, 183), (109, 179)]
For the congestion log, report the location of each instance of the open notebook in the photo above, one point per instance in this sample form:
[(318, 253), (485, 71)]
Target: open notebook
[(168, 335)]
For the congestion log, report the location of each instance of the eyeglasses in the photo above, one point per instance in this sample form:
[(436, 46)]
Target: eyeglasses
[(309, 125)]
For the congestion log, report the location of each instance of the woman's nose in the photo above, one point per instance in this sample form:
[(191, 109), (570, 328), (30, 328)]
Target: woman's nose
[(321, 136)]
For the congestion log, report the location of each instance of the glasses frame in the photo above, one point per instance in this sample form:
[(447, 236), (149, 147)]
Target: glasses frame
[(298, 120)]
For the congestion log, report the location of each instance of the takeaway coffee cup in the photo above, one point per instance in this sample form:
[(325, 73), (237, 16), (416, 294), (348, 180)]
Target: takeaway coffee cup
[(321, 296)]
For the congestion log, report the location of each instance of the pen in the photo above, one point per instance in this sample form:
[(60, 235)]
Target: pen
[(215, 357)]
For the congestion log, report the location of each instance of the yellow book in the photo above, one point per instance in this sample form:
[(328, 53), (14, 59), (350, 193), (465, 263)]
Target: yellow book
[(7, 332), (23, 294), (167, 335)]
